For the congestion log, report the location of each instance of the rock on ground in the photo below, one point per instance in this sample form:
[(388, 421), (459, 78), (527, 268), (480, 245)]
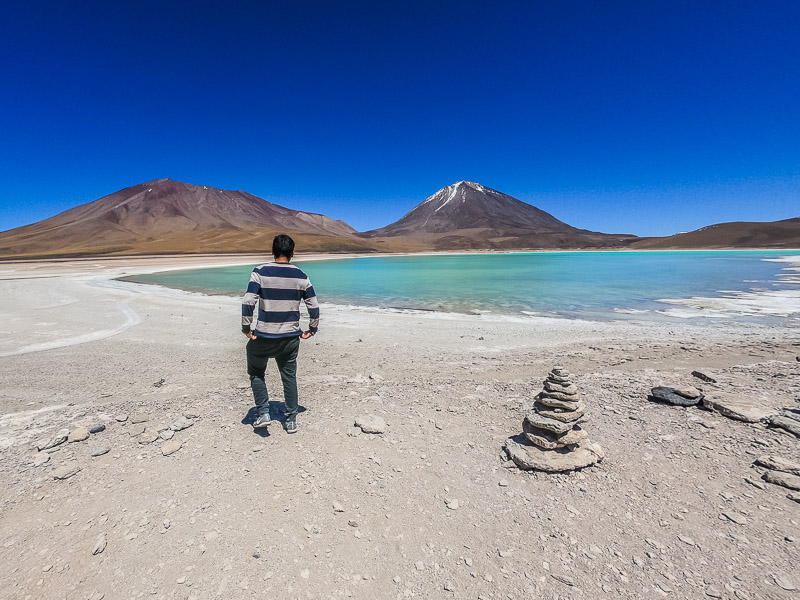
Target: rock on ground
[(787, 480), (371, 424), (745, 409), (530, 457), (171, 447)]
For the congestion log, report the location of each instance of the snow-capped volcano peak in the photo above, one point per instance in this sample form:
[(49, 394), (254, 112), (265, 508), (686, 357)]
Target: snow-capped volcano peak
[(470, 205)]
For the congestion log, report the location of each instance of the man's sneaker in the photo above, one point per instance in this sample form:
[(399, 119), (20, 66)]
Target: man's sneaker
[(262, 421), (290, 426)]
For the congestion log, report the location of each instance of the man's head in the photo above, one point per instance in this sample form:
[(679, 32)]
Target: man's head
[(283, 245)]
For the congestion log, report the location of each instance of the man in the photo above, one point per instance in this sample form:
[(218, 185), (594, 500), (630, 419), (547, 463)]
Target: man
[(277, 289)]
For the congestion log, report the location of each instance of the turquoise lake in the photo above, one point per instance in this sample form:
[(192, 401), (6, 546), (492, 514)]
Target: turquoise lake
[(565, 284)]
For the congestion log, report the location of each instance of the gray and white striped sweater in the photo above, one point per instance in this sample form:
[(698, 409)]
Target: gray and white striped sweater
[(276, 289)]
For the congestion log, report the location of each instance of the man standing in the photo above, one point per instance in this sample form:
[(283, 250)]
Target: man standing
[(277, 288)]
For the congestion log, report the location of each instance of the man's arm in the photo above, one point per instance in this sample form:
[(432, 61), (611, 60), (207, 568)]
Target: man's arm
[(249, 302), (310, 298)]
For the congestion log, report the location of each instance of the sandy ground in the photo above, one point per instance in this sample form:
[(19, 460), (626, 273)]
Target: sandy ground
[(331, 512)]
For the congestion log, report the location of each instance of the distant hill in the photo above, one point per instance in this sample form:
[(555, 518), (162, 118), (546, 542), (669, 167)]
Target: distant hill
[(166, 216), (468, 215), (774, 234), (170, 217)]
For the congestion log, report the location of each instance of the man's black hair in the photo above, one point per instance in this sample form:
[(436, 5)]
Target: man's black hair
[(283, 245)]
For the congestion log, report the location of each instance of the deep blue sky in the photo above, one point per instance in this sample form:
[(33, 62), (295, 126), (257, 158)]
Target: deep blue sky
[(646, 117)]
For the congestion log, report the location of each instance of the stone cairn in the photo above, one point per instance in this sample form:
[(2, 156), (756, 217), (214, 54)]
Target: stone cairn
[(552, 438)]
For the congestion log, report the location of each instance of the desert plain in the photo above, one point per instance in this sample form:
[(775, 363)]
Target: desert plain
[(176, 496)]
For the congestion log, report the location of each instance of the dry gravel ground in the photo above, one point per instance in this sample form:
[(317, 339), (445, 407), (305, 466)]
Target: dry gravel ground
[(427, 509)]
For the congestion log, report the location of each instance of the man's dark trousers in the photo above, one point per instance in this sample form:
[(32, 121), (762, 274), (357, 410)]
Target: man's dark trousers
[(284, 351)]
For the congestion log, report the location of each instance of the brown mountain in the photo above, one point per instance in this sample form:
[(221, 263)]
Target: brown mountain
[(166, 216), (774, 234), (467, 215)]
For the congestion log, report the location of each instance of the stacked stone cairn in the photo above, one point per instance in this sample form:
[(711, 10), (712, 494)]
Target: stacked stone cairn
[(552, 438)]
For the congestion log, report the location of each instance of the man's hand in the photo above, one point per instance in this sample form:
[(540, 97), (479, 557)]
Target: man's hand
[(251, 335), (305, 335)]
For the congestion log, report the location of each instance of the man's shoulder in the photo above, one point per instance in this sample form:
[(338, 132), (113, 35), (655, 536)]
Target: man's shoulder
[(276, 269)]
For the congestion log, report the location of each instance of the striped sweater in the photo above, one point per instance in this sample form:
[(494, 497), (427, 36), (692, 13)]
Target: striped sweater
[(276, 289)]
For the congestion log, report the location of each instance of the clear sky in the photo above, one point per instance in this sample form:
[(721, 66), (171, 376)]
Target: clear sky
[(645, 116)]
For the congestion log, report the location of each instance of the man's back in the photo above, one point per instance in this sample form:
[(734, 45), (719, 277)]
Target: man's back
[(277, 288)]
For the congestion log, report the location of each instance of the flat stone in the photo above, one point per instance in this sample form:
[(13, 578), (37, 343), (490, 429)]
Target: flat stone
[(171, 447), (78, 434), (549, 441), (559, 377), (793, 496), (66, 471), (537, 421), (148, 437), (784, 583), (786, 480), (776, 463), (560, 396), (790, 425), (135, 430), (734, 518), (181, 424), (121, 418), (140, 418), (689, 392), (561, 414), (100, 544), (54, 441), (167, 434), (741, 409), (41, 459), (703, 377), (670, 395), (371, 424), (528, 456), (100, 451), (97, 429), (547, 400), (552, 386)]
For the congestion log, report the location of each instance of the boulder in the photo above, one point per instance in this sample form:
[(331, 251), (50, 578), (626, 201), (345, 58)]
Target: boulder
[(371, 424), (742, 409), (670, 395), (528, 456)]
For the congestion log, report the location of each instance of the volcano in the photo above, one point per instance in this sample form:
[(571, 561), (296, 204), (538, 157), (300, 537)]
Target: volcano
[(166, 216)]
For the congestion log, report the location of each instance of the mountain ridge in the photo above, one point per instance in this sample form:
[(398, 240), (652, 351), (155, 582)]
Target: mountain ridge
[(163, 216)]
